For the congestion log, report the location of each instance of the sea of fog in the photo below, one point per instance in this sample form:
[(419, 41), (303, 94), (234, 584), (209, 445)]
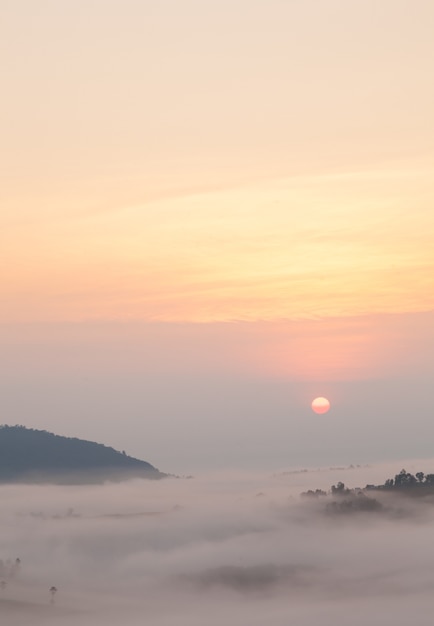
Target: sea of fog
[(233, 549)]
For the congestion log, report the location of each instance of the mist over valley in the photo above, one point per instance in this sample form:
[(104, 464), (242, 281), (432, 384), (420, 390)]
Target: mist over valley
[(223, 548)]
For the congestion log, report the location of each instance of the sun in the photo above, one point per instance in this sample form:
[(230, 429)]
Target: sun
[(320, 405)]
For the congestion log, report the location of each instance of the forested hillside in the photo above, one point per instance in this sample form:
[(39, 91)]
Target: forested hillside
[(28, 455)]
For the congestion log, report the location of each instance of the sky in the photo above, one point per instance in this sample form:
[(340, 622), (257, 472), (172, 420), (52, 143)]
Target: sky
[(212, 212)]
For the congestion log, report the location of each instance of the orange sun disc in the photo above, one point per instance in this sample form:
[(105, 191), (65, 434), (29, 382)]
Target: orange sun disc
[(320, 405)]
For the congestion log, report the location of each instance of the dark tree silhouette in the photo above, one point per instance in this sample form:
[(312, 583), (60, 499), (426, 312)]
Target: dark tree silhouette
[(53, 591)]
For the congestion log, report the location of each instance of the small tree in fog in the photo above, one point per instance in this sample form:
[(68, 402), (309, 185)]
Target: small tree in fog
[(53, 591), (420, 476)]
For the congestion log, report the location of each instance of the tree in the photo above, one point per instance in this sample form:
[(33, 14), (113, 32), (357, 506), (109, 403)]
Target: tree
[(339, 489), (53, 591), (420, 476)]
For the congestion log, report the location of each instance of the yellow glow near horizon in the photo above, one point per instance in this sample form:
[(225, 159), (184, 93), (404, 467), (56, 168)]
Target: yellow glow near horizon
[(285, 249), (204, 162)]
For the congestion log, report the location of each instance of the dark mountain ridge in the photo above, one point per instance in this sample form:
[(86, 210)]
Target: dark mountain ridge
[(37, 456)]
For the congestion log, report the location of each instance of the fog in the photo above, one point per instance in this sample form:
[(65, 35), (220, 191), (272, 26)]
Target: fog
[(216, 549)]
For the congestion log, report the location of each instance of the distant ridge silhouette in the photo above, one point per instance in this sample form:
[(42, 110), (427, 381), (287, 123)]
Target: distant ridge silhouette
[(37, 456)]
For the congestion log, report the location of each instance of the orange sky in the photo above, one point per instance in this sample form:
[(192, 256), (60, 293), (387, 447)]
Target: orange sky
[(244, 161), (307, 247)]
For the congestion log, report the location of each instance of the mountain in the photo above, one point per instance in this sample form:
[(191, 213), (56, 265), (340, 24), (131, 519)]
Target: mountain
[(37, 456)]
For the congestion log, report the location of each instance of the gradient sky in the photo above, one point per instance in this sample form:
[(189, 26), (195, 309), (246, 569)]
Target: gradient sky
[(212, 212)]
